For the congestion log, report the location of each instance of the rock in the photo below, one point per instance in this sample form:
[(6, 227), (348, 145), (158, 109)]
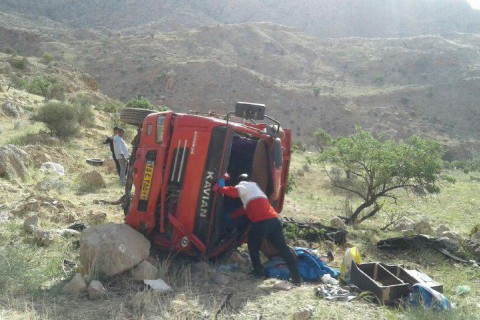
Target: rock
[(43, 237), (87, 278), (337, 223), (476, 236), (12, 110), (440, 230), (303, 314), (423, 227), (110, 249), (221, 279), (452, 235), (93, 180), (76, 286), (404, 223), (96, 290), (97, 218), (144, 271), (450, 244), (13, 162), (52, 167), (158, 285), (31, 223), (300, 173), (51, 183)]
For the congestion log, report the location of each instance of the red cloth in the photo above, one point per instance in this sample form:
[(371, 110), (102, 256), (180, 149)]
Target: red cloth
[(257, 209)]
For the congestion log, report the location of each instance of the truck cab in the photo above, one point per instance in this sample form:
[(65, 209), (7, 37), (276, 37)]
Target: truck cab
[(177, 159)]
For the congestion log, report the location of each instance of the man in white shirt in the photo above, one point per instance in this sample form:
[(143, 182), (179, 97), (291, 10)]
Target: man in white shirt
[(121, 154)]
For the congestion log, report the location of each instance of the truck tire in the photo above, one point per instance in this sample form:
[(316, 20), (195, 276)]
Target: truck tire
[(134, 116)]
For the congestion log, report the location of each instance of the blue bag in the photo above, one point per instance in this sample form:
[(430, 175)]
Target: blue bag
[(310, 266), (421, 295)]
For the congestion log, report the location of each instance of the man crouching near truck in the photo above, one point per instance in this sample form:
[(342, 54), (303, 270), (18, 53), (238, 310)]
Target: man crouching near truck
[(265, 224)]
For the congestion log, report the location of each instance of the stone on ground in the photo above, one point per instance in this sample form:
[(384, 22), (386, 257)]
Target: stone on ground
[(52, 167), (158, 285), (303, 314), (144, 271), (43, 237), (111, 249), (93, 179), (75, 286), (404, 223), (96, 290), (13, 162), (337, 223), (476, 236), (452, 235), (441, 229), (423, 227), (31, 223), (273, 285)]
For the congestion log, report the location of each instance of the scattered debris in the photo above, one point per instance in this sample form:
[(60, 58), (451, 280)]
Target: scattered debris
[(462, 290), (335, 235), (225, 302), (158, 285), (273, 285), (418, 242), (333, 292)]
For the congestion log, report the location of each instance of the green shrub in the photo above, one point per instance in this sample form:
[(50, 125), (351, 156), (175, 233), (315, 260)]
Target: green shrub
[(64, 119), (48, 87), (19, 62), (47, 57), (140, 103), (86, 117), (144, 103)]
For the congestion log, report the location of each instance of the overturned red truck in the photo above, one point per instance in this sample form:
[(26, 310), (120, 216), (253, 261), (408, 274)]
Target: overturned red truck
[(177, 158)]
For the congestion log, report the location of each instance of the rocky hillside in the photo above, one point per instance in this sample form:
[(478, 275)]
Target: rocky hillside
[(325, 18), (423, 84)]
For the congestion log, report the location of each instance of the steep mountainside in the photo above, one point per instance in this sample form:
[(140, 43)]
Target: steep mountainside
[(324, 18)]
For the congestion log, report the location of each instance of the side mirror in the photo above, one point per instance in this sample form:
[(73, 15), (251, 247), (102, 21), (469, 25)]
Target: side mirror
[(250, 111)]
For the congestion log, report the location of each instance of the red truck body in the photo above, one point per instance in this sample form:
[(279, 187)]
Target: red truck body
[(179, 158)]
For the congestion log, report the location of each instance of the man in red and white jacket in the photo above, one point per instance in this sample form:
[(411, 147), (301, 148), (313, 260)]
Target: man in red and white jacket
[(265, 224)]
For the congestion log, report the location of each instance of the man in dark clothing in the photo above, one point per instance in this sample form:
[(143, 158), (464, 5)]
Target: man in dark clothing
[(109, 140), (265, 224)]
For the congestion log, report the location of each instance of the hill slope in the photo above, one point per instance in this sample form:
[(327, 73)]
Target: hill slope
[(325, 18)]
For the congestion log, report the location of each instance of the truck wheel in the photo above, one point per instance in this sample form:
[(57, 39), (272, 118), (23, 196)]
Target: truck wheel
[(134, 116)]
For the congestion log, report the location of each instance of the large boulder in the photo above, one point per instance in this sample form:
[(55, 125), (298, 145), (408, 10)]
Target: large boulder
[(13, 162), (111, 249)]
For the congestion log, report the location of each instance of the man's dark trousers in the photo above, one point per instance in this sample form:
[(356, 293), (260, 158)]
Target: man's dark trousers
[(270, 229)]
